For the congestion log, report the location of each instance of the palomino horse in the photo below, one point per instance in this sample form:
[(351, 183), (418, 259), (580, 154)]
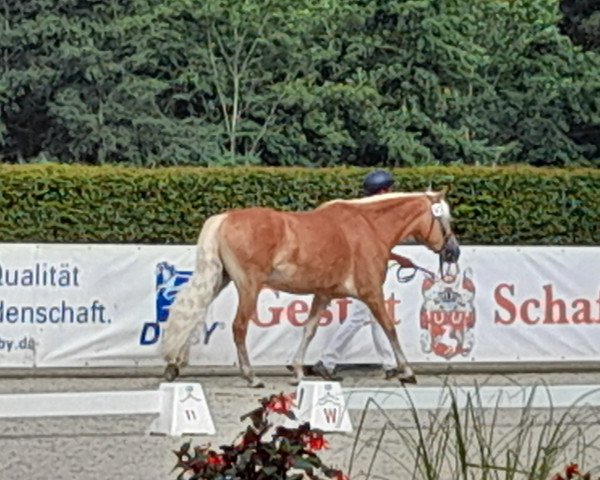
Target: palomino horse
[(340, 249)]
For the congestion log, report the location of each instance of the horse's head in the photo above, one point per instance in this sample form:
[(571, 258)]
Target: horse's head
[(401, 216), (435, 231)]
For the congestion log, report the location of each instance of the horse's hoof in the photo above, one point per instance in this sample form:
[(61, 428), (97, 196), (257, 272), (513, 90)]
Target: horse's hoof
[(410, 379), (295, 382), (257, 383), (322, 371), (171, 372)]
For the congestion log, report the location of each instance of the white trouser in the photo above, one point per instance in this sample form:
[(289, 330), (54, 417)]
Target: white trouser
[(359, 315)]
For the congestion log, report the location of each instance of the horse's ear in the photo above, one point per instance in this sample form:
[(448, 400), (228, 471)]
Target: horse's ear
[(443, 192), (435, 197)]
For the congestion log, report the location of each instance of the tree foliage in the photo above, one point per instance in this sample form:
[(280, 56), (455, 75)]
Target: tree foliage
[(581, 22), (313, 83)]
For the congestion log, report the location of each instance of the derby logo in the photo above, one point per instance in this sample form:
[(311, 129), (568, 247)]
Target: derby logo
[(168, 282)]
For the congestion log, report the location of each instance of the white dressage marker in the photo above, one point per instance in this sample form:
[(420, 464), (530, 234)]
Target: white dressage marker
[(322, 404), (183, 410), (181, 407)]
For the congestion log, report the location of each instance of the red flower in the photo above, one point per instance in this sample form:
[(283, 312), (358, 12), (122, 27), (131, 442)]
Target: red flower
[(316, 442), (281, 403), (339, 475), (215, 459), (572, 470)]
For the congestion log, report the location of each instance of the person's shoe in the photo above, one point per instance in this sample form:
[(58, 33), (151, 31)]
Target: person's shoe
[(391, 373), (321, 370)]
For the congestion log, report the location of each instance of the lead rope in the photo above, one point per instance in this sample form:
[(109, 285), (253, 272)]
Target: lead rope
[(415, 268)]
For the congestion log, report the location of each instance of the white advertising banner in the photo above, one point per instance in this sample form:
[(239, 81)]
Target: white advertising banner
[(106, 305)]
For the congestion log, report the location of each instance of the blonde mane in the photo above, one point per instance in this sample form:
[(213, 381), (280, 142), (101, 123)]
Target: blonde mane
[(389, 196), (373, 198), (385, 196)]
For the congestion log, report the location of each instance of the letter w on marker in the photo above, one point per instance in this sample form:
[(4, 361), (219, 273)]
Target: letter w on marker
[(330, 414)]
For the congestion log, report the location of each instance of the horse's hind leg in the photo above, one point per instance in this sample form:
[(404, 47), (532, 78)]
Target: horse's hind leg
[(319, 304), (405, 372), (248, 296)]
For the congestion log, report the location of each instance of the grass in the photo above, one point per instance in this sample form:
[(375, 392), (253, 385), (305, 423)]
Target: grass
[(470, 442)]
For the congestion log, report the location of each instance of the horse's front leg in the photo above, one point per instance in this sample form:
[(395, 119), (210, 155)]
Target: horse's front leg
[(405, 371), (319, 304), (246, 307)]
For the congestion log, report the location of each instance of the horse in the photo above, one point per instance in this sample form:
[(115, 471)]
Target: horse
[(339, 249)]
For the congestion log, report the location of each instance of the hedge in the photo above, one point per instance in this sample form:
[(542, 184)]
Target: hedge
[(83, 204)]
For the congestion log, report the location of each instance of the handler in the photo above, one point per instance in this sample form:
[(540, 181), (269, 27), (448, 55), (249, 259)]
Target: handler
[(359, 314)]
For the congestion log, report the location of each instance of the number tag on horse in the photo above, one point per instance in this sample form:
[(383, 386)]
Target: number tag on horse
[(437, 210)]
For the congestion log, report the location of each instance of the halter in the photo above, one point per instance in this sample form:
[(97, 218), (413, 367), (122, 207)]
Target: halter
[(436, 214)]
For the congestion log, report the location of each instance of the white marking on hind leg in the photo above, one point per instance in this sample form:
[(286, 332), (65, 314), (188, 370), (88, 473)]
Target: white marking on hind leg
[(319, 304)]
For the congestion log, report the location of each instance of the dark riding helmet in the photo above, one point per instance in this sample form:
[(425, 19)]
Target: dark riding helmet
[(376, 181)]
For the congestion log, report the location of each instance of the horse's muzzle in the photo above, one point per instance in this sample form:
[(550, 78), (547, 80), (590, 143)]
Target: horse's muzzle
[(451, 251)]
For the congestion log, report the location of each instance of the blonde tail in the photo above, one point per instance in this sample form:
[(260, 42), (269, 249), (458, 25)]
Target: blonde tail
[(192, 302)]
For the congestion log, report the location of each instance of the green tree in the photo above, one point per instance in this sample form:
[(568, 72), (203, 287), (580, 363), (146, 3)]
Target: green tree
[(244, 56), (384, 73), (84, 82), (309, 82), (543, 87), (581, 22)]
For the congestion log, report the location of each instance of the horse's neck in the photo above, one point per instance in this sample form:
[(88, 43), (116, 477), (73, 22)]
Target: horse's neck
[(394, 219)]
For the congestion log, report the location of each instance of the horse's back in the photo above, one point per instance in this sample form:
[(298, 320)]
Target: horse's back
[(285, 246), (319, 231), (268, 229)]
